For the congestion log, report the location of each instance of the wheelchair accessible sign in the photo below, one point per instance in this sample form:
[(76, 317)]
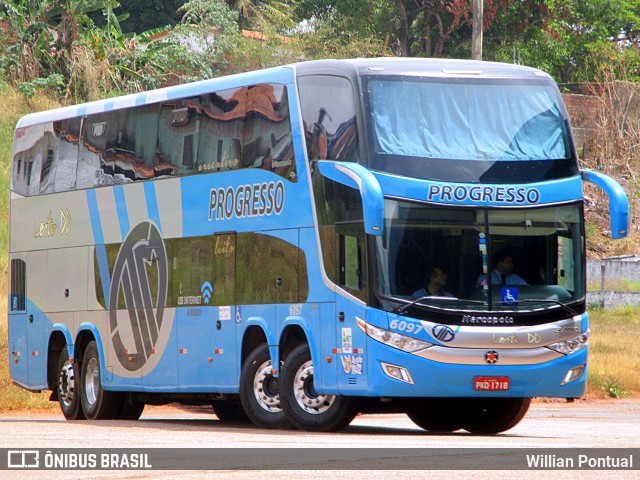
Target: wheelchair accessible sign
[(509, 296)]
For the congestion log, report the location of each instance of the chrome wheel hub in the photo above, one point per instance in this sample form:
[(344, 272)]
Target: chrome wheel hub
[(266, 388), (92, 381), (305, 393), (66, 384)]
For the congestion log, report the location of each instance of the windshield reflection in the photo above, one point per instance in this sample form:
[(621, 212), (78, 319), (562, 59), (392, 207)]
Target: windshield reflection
[(480, 259)]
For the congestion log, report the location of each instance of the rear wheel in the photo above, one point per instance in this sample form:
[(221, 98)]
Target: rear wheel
[(68, 387), (229, 410), (305, 408), (97, 403), (260, 390), (488, 416)]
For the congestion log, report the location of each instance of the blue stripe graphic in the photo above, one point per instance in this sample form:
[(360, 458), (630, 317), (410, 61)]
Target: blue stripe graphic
[(98, 238), (121, 207), (152, 204), (141, 99)]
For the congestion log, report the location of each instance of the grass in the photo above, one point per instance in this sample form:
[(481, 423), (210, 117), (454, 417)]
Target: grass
[(615, 285), (614, 360), (13, 107)]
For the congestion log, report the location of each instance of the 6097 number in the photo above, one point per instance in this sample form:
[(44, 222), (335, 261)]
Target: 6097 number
[(404, 326)]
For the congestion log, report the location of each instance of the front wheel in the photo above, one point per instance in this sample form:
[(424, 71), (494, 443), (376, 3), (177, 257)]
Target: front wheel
[(305, 408), (97, 403), (129, 410), (436, 415), (260, 391), (488, 416), (68, 386)]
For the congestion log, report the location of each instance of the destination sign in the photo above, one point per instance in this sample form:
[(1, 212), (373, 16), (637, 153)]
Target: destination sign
[(483, 194)]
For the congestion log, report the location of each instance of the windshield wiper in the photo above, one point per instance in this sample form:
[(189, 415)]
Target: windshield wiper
[(403, 308), (567, 308)]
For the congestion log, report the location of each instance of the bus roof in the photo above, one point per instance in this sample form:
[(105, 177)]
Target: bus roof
[(445, 68), (436, 67), (281, 75)]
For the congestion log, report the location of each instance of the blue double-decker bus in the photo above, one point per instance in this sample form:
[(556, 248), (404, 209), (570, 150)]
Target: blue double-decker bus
[(300, 244)]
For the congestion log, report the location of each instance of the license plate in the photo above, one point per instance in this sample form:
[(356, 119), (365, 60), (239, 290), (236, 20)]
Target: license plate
[(491, 383)]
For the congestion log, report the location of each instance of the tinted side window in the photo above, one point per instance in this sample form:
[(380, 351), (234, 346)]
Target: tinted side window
[(117, 147), (226, 269), (329, 115), (267, 131), (341, 226), (269, 270), (201, 272), (246, 127), (67, 134), (178, 129), (221, 131)]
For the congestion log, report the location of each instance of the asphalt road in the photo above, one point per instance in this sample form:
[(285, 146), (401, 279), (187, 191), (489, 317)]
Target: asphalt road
[(604, 424)]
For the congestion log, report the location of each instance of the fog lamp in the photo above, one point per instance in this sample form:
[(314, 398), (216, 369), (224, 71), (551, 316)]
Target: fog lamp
[(399, 373), (573, 374)]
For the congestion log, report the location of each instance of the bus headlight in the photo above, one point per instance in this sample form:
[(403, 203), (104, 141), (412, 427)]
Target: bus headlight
[(572, 345), (395, 340)]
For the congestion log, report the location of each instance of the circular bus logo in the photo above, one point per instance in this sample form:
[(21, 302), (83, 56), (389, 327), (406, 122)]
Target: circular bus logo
[(138, 297)]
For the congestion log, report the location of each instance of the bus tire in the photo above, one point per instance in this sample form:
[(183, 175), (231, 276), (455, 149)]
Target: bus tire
[(97, 403), (304, 407), (260, 391), (130, 410), (68, 387), (488, 416), (229, 410), (436, 415)]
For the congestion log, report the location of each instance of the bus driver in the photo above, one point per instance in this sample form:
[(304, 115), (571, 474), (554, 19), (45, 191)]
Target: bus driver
[(502, 273)]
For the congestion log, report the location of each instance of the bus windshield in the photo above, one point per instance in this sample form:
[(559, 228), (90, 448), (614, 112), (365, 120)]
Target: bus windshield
[(481, 259), (463, 130)]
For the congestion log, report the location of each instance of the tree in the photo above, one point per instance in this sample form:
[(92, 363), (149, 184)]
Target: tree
[(428, 26), (265, 15), (50, 33), (571, 39), (146, 15)]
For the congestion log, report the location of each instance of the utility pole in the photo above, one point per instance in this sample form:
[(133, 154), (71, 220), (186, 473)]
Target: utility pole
[(476, 33)]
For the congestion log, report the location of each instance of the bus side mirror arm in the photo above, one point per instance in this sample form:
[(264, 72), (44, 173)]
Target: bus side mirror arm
[(356, 176), (618, 202)]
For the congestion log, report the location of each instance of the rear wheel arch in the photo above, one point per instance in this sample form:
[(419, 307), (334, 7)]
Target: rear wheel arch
[(292, 337), (57, 342), (253, 337), (83, 339)]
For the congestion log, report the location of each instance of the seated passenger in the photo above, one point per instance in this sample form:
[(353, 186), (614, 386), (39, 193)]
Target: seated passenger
[(435, 281)]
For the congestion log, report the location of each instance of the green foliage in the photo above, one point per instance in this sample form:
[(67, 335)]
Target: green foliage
[(194, 50), (268, 16), (329, 40), (87, 41), (52, 83), (209, 13), (570, 39), (346, 29), (144, 15)]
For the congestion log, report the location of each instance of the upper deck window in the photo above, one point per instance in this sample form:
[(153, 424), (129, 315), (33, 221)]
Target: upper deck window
[(329, 115), (244, 127), (468, 130)]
